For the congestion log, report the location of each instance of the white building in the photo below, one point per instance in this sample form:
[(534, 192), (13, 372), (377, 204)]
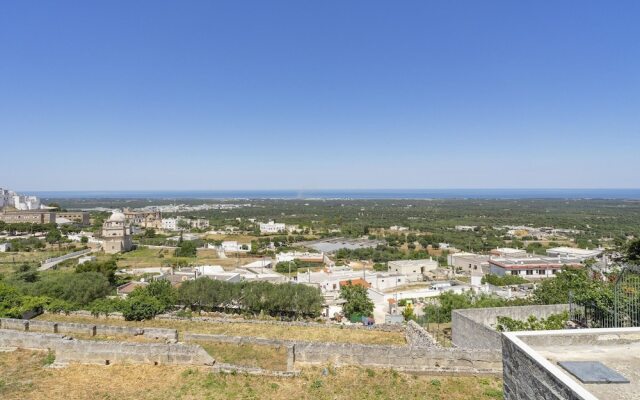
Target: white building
[(9, 198), (414, 269), (468, 262), (272, 227), (533, 267), (86, 259), (4, 247), (6, 197), (170, 224), (302, 256), (199, 223), (508, 252), (231, 246), (209, 269), (332, 281), (175, 224), (260, 265), (572, 252), (24, 203)]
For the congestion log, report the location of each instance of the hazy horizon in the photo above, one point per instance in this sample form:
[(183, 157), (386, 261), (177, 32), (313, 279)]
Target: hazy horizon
[(381, 194)]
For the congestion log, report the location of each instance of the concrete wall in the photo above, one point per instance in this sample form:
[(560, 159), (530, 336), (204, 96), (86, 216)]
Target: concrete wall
[(525, 376), (474, 327), (106, 352)]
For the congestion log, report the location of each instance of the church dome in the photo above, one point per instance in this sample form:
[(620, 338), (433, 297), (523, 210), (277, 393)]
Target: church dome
[(116, 216)]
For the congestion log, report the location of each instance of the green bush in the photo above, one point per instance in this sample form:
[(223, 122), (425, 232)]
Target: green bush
[(553, 322), (57, 306), (496, 280), (141, 307)]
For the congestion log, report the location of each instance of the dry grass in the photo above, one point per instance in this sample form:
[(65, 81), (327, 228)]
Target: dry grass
[(22, 377), (441, 332), (307, 333), (248, 355), (119, 338), (145, 257), (10, 260), (240, 238)]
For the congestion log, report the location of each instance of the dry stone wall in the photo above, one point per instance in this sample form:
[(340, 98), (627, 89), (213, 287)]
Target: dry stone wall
[(105, 352), (417, 336), (421, 355), (404, 358), (86, 329), (377, 327)]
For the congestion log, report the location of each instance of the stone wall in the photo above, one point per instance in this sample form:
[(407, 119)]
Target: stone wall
[(402, 358), (105, 352), (111, 352), (240, 340), (86, 329), (474, 327), (525, 378), (421, 356), (418, 336), (377, 327)]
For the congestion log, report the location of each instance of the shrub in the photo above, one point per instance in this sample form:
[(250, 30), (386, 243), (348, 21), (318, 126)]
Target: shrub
[(141, 307)]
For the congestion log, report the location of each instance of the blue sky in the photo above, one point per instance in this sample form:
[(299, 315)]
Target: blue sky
[(123, 95)]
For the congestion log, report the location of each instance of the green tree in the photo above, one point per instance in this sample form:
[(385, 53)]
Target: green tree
[(585, 289), (26, 273), (53, 236), (107, 268), (407, 313), (79, 288), (633, 252), (149, 233), (187, 248), (357, 300), (159, 290), (141, 307)]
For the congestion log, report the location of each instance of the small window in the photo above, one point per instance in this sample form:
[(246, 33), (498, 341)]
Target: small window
[(540, 272), (514, 272), (529, 272)]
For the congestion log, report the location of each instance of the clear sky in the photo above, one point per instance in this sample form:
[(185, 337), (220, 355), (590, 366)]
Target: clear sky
[(139, 95)]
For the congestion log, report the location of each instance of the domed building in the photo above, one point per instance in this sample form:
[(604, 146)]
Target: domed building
[(116, 234)]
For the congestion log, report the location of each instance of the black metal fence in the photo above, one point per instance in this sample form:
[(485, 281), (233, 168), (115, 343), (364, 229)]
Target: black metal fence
[(625, 310)]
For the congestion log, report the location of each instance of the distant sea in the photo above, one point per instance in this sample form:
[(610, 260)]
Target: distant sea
[(630, 194)]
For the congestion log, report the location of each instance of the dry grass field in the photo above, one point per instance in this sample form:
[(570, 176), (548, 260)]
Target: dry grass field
[(152, 257), (247, 355), (308, 333), (23, 376), (10, 260)]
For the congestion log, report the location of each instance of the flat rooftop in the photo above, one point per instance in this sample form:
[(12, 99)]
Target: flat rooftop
[(539, 261), (616, 348)]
